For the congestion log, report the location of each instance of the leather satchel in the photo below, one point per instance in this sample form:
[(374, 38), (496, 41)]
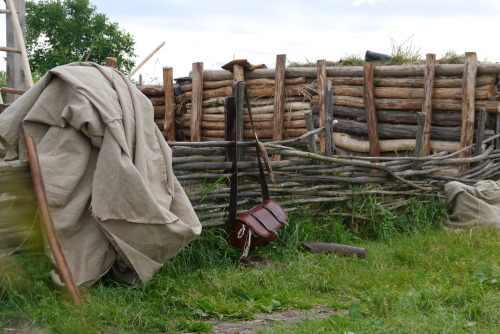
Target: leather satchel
[(257, 226)]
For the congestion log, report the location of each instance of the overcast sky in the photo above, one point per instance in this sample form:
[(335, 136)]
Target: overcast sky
[(216, 31)]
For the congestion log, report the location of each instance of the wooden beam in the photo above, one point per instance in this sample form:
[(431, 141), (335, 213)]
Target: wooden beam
[(168, 85), (238, 73), (111, 62), (481, 125), (429, 76), (369, 104), (468, 104), (196, 102), (279, 100), (321, 78), (329, 146)]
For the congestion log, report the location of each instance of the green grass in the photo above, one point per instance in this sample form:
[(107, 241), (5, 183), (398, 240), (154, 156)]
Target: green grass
[(416, 278)]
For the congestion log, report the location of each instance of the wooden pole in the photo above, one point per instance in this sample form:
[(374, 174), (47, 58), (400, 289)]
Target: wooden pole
[(196, 102), (429, 76), (369, 103), (420, 141), (240, 110), (329, 147), (468, 104), (48, 224), (145, 60), (168, 86), (279, 100), (310, 127), (111, 62), (238, 73), (497, 131), (481, 124), (321, 78)]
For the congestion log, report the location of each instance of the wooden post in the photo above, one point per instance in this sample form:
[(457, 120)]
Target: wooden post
[(321, 78), (279, 100), (481, 124), (240, 110), (238, 73), (329, 147), (168, 86), (111, 62), (48, 224), (430, 70), (497, 131), (371, 115), (196, 102), (420, 139), (15, 74), (310, 127), (468, 104)]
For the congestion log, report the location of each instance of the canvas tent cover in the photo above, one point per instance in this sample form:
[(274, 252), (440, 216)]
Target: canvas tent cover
[(108, 175)]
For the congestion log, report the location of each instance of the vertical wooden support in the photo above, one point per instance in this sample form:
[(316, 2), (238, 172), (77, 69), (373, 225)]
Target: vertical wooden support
[(168, 86), (15, 24), (420, 139), (497, 131), (430, 70), (310, 127), (196, 102), (111, 62), (371, 115), (468, 104), (481, 125), (329, 146), (238, 73), (279, 100), (321, 78), (240, 110), (48, 224)]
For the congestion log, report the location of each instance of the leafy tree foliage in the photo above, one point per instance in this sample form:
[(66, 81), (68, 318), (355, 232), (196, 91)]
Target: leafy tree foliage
[(61, 32)]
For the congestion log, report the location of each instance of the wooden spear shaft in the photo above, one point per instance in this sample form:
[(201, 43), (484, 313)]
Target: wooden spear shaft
[(48, 224)]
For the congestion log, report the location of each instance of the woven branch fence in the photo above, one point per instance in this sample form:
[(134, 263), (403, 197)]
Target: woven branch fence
[(401, 132)]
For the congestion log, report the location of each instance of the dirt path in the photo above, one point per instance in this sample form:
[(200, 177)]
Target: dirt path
[(263, 320)]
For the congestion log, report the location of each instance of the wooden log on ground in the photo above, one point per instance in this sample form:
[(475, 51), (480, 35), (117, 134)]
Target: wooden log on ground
[(345, 141), (430, 71), (411, 104), (468, 105), (394, 131), (357, 71)]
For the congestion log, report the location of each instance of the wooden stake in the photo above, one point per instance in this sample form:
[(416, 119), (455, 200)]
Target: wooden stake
[(321, 77), (48, 224), (111, 62), (419, 144), (497, 131), (468, 104), (329, 146), (238, 73), (481, 124), (369, 103), (310, 127), (168, 85), (279, 100), (430, 71), (196, 102)]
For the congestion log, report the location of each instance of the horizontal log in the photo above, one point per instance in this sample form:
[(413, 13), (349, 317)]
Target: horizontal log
[(249, 133), (256, 91), (291, 115), (345, 141), (439, 117), (399, 131), (254, 82), (152, 90), (482, 93), (356, 71), (413, 82), (247, 125), (411, 104), (263, 109), (159, 111)]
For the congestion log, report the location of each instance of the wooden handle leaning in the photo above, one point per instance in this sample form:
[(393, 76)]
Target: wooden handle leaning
[(48, 224)]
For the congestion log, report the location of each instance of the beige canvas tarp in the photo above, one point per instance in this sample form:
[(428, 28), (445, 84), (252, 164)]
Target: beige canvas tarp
[(107, 169), (478, 204)]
